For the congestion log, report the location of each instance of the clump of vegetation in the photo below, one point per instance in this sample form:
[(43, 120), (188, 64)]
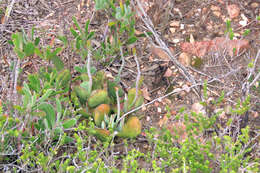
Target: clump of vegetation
[(102, 101)]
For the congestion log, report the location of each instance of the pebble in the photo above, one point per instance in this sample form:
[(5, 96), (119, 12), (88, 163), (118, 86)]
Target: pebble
[(254, 5), (182, 26), (175, 23)]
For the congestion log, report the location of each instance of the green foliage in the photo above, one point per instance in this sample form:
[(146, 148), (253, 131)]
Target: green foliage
[(23, 47), (229, 30), (101, 100), (101, 4)]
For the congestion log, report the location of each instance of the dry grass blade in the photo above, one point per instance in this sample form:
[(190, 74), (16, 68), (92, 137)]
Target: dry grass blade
[(137, 78), (8, 11)]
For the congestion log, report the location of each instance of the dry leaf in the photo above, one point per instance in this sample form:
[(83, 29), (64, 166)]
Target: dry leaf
[(168, 73), (254, 5), (233, 11), (163, 121), (146, 94), (220, 44), (160, 53), (2, 19), (19, 88), (217, 13), (175, 24), (215, 8), (201, 48), (185, 59)]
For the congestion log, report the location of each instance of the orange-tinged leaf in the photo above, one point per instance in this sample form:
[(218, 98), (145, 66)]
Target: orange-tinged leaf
[(146, 94), (131, 128), (100, 112), (19, 88)]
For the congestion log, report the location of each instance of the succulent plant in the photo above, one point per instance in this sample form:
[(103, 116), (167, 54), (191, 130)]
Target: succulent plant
[(111, 89), (84, 77), (101, 101), (100, 112), (101, 134), (82, 94), (131, 96), (98, 97), (62, 80), (99, 80), (131, 128)]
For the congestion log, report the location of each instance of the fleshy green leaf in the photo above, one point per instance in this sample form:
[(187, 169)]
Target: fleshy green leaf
[(29, 49), (69, 123), (34, 82), (49, 112), (86, 26), (57, 62), (131, 40), (77, 24), (74, 33), (46, 95)]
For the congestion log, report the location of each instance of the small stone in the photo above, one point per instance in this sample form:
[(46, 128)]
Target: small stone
[(176, 40), (215, 8), (255, 114), (182, 26), (237, 34), (243, 22), (209, 27), (222, 114), (217, 13), (175, 24), (173, 30), (254, 5), (198, 108), (159, 110)]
